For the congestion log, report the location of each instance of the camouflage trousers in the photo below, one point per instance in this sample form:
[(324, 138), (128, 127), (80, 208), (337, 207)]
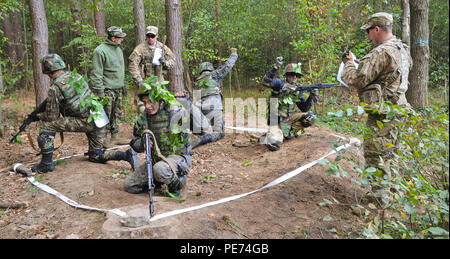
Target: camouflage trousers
[(162, 174), (276, 134), (211, 107), (380, 145), (72, 124), (113, 108)]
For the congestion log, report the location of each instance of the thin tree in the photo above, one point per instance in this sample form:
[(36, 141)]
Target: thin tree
[(418, 77), (99, 18), (173, 25), (39, 44), (139, 21), (406, 37)]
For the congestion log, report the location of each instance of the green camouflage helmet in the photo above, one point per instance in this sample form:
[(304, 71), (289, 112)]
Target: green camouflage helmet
[(52, 63), (294, 68), (205, 66), (115, 31)]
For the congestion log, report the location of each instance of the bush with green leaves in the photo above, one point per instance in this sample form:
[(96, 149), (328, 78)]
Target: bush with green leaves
[(419, 177)]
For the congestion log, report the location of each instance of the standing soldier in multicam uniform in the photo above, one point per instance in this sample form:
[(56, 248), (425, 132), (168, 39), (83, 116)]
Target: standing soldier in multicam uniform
[(108, 80), (382, 75), (163, 120), (210, 102), (141, 62), (66, 95), (288, 122)]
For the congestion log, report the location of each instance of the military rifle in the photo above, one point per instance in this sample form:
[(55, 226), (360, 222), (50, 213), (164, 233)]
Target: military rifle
[(148, 151), (317, 86), (30, 118)]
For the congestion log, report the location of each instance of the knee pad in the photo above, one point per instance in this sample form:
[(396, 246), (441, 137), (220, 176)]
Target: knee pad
[(45, 141), (97, 156), (308, 119)]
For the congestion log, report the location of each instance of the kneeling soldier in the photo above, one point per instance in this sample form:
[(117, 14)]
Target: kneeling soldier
[(288, 122), (171, 155), (66, 96)]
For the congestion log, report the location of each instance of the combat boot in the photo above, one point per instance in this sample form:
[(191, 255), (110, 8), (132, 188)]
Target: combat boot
[(116, 140), (176, 185), (46, 164), (130, 156)]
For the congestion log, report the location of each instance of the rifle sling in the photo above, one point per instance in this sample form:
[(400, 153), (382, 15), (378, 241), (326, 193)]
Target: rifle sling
[(30, 139), (172, 167)]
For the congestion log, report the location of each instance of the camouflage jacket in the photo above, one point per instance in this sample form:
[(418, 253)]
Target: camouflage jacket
[(63, 98), (166, 124), (283, 90), (382, 74), (214, 78), (141, 59)]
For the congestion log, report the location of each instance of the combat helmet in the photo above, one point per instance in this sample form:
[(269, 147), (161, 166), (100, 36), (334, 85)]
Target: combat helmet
[(52, 63), (294, 68), (205, 66)]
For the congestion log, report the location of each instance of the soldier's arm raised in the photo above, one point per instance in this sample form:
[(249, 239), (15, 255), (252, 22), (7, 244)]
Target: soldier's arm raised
[(223, 70)]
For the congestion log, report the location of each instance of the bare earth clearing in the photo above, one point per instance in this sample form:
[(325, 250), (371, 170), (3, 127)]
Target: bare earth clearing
[(234, 165)]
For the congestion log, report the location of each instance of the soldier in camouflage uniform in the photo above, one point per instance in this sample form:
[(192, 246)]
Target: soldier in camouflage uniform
[(163, 119), (382, 75), (289, 121), (141, 62), (210, 102), (108, 80), (66, 95)]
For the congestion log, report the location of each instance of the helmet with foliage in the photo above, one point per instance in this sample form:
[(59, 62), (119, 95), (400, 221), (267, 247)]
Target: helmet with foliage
[(205, 66), (52, 63), (294, 68), (156, 91)]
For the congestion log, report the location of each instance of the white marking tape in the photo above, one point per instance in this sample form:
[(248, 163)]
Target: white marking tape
[(176, 212), (274, 182), (72, 203), (248, 129)]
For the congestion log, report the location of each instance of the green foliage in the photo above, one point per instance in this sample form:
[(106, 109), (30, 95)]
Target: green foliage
[(85, 44), (419, 177), (94, 102)]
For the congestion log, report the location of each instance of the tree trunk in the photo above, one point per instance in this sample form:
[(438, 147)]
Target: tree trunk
[(39, 44), (218, 46), (99, 18), (173, 25), (405, 22), (418, 77), (14, 46), (139, 21)]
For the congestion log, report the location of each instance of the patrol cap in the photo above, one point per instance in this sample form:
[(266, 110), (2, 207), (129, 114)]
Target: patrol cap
[(151, 30), (115, 31), (378, 19)]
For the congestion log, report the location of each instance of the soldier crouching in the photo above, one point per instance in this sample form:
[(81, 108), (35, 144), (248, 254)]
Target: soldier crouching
[(163, 119)]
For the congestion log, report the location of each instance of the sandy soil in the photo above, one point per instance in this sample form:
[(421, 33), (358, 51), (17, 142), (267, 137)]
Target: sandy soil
[(234, 165)]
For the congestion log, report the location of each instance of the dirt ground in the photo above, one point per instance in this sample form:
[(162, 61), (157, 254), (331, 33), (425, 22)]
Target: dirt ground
[(234, 165)]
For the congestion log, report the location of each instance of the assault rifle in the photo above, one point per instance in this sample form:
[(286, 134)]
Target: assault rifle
[(317, 86), (30, 118), (148, 151)]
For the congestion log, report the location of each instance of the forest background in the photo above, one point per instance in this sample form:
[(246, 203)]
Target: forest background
[(315, 33)]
